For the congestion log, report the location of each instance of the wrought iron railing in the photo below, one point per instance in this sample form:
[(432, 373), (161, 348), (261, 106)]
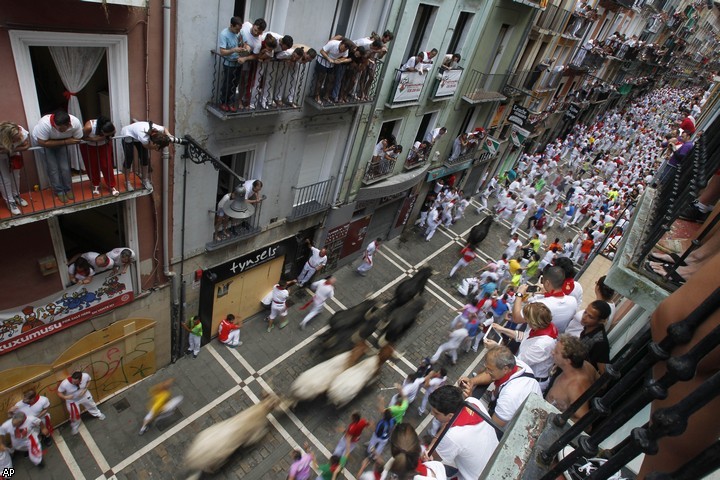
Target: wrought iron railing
[(348, 84), (466, 156), (560, 20), (254, 86), (546, 18), (376, 171), (630, 391), (29, 188), (483, 87), (311, 199), (416, 158), (587, 60), (577, 26)]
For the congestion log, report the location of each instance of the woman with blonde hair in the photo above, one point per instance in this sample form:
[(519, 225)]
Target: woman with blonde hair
[(13, 139), (537, 341)]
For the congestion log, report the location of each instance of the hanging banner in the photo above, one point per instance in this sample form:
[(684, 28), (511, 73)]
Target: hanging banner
[(518, 135), (409, 87), (105, 292), (449, 81), (491, 145)]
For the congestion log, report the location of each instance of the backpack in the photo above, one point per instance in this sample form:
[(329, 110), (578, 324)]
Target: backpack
[(384, 428)]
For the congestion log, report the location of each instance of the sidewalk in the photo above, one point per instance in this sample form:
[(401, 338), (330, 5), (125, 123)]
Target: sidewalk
[(222, 381)]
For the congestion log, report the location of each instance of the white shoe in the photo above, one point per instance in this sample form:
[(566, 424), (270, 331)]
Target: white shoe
[(14, 208), (148, 186), (114, 192), (129, 187), (96, 191), (101, 417), (20, 201)]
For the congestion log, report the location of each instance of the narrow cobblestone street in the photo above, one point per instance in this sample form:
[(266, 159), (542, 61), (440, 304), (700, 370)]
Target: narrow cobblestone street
[(222, 382)]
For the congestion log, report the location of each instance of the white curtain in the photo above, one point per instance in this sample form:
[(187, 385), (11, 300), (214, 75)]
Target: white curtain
[(76, 66)]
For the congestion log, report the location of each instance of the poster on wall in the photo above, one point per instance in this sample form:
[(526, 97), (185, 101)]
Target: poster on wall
[(449, 81), (409, 87), (27, 323), (491, 145), (518, 135)]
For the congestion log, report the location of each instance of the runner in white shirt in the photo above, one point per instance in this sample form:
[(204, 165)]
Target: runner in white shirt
[(23, 431), (324, 290), (277, 305), (316, 262), (74, 390)]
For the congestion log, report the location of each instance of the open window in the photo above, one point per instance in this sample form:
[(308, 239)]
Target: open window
[(421, 30)]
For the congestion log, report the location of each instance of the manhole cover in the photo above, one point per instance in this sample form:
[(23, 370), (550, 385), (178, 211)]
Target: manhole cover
[(121, 405)]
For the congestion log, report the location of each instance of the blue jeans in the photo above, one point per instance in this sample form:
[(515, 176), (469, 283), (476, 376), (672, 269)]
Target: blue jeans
[(229, 83), (57, 162)]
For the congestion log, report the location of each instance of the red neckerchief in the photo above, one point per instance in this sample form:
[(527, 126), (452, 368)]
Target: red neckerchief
[(34, 401), (505, 378), (421, 468), (467, 417), (52, 120), (551, 331), (555, 293), (568, 286)]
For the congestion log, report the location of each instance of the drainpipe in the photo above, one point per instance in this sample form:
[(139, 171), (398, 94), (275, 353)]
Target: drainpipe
[(346, 156), (175, 314)]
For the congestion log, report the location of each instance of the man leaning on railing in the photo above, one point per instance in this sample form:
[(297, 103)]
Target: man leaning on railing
[(230, 48)]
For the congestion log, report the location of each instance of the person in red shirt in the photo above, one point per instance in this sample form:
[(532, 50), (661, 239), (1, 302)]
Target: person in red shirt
[(585, 248), (351, 437), (467, 255), (688, 123), (229, 331)]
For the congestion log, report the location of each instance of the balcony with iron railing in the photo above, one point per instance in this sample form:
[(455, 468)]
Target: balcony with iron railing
[(236, 229), (545, 20), (380, 169), (485, 87), (586, 61), (560, 20), (417, 157), (446, 83), (578, 25), (407, 88), (311, 199), (94, 175), (345, 85), (256, 87)]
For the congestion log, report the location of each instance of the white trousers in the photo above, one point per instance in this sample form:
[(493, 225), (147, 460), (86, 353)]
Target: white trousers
[(73, 407), (233, 338), (460, 264), (194, 344), (306, 274), (316, 309), (277, 309)]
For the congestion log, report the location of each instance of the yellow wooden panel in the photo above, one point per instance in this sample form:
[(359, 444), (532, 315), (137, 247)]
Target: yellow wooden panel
[(245, 292)]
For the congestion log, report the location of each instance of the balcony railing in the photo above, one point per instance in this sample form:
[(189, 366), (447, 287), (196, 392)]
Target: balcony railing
[(416, 158), (407, 87), (447, 82), (29, 192), (587, 61), (577, 26), (376, 171), (256, 87), (485, 87), (468, 155), (236, 229), (545, 20), (345, 85), (311, 199)]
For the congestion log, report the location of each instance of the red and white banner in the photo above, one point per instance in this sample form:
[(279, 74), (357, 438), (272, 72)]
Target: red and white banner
[(27, 323), (449, 81), (409, 86)]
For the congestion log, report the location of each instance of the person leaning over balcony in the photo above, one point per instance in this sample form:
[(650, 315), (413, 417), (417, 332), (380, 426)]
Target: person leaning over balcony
[(413, 64), (229, 48), (122, 258), (451, 61), (512, 379), (434, 135), (252, 191), (334, 53), (80, 271), (460, 144), (300, 56), (13, 139), (55, 132), (97, 152), (143, 136), (251, 34)]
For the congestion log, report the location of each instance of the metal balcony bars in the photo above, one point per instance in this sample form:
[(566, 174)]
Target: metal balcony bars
[(347, 84), (380, 169), (90, 166), (681, 368), (311, 199), (485, 87), (247, 217), (254, 86)]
